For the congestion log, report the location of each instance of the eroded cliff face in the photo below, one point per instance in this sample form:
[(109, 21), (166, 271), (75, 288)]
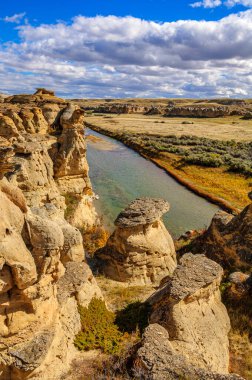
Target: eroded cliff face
[(141, 250), (228, 240), (174, 110), (188, 305), (43, 273), (47, 136)]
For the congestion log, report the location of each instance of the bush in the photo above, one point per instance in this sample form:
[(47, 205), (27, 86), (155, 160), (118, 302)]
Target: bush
[(210, 160), (98, 329), (94, 238)]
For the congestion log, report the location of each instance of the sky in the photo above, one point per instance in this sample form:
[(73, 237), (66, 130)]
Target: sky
[(123, 49)]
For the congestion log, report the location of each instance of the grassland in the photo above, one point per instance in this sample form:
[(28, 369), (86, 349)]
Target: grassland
[(226, 128), (150, 135)]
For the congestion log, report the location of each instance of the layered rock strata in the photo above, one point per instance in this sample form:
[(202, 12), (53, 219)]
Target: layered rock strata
[(141, 250), (47, 138), (175, 110), (43, 274), (188, 305)]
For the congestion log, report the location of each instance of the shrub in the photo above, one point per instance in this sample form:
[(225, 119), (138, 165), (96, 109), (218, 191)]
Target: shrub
[(210, 160), (94, 238), (98, 329)]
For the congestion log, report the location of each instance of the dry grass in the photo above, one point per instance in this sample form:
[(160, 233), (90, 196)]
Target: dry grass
[(232, 187), (225, 128)]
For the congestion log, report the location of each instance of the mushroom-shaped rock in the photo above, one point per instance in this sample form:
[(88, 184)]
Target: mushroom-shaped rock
[(189, 306), (157, 359), (141, 250)]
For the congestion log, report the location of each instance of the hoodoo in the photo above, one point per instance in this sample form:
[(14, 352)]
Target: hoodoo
[(188, 305), (141, 250)]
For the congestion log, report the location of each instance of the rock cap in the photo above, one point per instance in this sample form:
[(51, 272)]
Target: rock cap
[(194, 273), (142, 211)]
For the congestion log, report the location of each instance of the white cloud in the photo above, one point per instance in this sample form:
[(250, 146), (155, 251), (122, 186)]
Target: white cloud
[(16, 18), (113, 56), (217, 3)]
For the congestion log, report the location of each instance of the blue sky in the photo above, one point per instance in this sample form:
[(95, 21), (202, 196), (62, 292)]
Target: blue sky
[(116, 48)]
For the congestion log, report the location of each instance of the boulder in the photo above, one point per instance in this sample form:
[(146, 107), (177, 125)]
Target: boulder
[(141, 250), (78, 280)]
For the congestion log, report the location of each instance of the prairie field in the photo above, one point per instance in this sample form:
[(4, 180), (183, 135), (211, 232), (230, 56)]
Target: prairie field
[(222, 128)]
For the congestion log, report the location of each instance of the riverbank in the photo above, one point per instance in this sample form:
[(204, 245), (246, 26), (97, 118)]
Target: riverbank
[(225, 189)]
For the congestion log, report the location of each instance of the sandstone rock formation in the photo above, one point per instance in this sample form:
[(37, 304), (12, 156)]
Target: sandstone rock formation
[(50, 168), (141, 250), (228, 240), (43, 275), (156, 359), (208, 109), (188, 305)]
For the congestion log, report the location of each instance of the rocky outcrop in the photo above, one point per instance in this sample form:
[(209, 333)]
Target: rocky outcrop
[(228, 240), (71, 168), (39, 296), (157, 359), (50, 168), (188, 305), (43, 273), (199, 111), (212, 109), (44, 91), (141, 250), (117, 108)]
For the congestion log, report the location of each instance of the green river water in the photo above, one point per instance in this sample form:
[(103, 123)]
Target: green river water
[(119, 175)]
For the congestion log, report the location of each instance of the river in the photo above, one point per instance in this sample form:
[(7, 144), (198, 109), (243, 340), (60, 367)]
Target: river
[(119, 175)]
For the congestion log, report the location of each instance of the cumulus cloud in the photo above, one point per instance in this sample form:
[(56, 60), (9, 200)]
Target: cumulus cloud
[(126, 56), (15, 19), (217, 3)]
